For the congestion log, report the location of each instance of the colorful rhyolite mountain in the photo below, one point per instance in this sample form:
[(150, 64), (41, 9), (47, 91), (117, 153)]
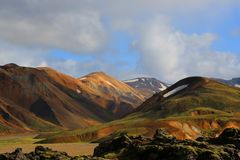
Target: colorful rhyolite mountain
[(42, 99), (45, 99), (190, 108), (147, 86)]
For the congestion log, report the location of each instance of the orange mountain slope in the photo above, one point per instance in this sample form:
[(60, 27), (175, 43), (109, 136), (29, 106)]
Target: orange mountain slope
[(56, 99), (111, 94)]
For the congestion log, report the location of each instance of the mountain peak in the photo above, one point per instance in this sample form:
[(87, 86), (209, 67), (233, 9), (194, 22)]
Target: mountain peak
[(147, 85), (191, 81), (10, 65), (99, 73)]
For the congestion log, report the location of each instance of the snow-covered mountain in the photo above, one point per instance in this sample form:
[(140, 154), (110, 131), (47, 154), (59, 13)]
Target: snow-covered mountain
[(148, 85), (232, 82)]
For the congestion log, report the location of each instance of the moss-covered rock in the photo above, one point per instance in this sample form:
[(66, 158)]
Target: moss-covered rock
[(43, 153), (16, 155), (228, 136), (164, 146), (161, 147)]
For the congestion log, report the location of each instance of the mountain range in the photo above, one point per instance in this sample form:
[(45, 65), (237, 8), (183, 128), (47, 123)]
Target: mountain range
[(97, 105), (192, 107)]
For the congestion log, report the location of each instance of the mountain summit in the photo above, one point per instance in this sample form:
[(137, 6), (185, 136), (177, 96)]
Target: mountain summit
[(149, 86)]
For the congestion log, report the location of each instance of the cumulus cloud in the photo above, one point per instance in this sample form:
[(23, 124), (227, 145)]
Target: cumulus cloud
[(29, 29), (39, 24), (77, 26), (170, 54), (34, 57), (23, 56)]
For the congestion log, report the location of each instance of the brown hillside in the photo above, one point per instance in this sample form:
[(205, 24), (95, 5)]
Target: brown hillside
[(52, 98), (111, 94)]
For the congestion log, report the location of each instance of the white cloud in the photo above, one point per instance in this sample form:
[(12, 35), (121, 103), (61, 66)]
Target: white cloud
[(40, 25), (28, 26), (171, 54), (34, 57), (77, 26), (23, 56)]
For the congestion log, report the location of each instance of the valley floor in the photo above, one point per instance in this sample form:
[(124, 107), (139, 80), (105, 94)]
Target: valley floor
[(26, 142)]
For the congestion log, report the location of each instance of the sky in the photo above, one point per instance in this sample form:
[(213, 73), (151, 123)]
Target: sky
[(165, 39)]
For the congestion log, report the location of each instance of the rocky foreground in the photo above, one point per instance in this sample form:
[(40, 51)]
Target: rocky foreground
[(161, 147)]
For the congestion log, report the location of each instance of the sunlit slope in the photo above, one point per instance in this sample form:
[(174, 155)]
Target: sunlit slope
[(197, 92), (110, 93), (33, 90)]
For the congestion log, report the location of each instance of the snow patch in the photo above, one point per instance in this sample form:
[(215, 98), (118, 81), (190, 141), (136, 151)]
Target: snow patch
[(131, 81), (175, 90), (110, 84), (151, 84), (78, 91), (237, 85), (82, 78), (163, 87)]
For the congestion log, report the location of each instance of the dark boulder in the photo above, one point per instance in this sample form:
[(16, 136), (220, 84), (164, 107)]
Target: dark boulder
[(163, 137), (166, 147), (112, 145), (16, 155), (228, 136)]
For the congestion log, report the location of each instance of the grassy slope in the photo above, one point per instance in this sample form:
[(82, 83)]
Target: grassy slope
[(211, 95), (211, 105), (134, 125)]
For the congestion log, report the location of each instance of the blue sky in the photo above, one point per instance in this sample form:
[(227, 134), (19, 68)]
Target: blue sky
[(168, 40)]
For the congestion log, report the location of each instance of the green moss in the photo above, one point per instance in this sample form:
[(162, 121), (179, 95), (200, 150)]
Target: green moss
[(3, 128), (110, 155)]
